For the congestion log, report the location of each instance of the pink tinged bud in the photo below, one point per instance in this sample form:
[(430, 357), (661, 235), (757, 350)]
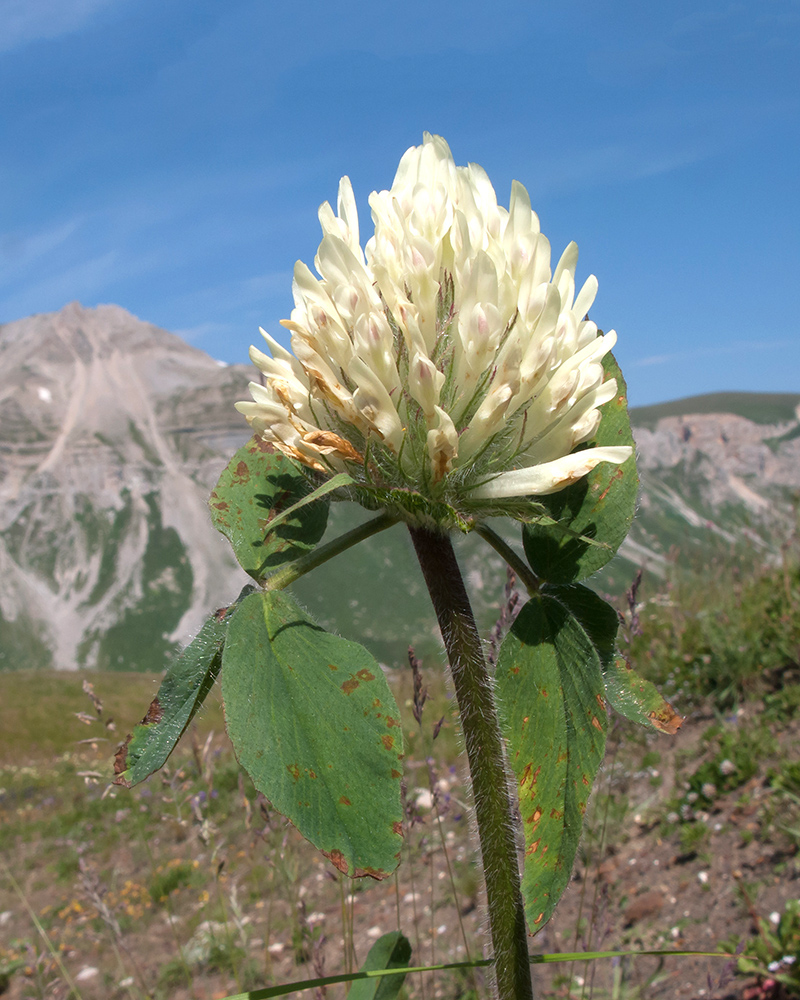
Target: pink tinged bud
[(561, 387), (425, 383), (537, 360), (374, 345), (567, 334), (486, 422), (375, 405), (540, 311), (408, 321)]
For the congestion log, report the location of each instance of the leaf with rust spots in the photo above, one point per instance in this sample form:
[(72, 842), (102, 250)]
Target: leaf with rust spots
[(556, 740), (626, 692), (595, 514), (257, 486), (183, 690), (638, 699), (338, 860), (241, 475), (286, 712), (154, 713), (258, 445)]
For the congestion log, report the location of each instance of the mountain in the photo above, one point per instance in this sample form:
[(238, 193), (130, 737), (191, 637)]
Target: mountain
[(718, 472), (113, 432), (111, 436)]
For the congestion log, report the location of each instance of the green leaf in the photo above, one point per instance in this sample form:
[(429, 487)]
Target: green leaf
[(182, 692), (638, 699), (392, 951), (600, 506), (258, 485), (550, 698), (598, 619), (627, 693), (312, 720)]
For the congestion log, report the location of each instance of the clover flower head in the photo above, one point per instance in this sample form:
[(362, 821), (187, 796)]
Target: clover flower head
[(445, 359)]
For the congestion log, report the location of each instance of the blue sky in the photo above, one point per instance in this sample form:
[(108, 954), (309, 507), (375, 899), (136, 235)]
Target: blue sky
[(171, 157)]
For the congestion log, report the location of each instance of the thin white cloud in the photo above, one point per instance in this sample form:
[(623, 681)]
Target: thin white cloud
[(81, 281), (614, 163), (650, 143), (738, 347), (25, 21), (18, 250)]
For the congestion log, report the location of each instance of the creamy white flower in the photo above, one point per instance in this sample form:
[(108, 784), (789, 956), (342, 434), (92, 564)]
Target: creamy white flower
[(445, 358)]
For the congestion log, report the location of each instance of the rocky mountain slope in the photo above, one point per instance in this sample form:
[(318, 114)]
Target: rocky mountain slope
[(717, 472), (113, 432)]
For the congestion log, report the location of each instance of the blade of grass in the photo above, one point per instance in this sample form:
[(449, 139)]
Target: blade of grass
[(550, 959)]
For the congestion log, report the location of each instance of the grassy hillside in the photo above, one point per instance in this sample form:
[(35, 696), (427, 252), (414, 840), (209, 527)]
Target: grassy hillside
[(760, 407), (191, 886)]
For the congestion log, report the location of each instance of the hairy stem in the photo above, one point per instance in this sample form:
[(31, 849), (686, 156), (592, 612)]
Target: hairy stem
[(299, 567), (486, 755)]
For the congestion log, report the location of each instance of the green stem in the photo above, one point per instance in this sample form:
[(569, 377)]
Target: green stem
[(486, 755), (299, 567), (524, 573)]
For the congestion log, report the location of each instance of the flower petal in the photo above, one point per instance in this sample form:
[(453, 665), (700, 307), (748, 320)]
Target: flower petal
[(539, 480)]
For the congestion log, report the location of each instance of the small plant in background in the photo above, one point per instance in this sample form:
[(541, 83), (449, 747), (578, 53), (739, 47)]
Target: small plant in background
[(443, 377), (774, 954), (11, 959), (728, 631), (732, 766)]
